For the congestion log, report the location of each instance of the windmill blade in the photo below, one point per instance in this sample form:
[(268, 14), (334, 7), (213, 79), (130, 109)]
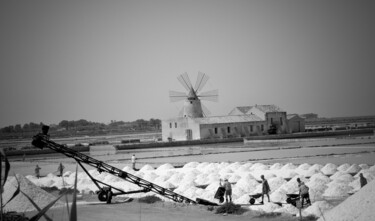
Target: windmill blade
[(185, 81), (175, 96), (201, 81), (205, 110), (209, 95)]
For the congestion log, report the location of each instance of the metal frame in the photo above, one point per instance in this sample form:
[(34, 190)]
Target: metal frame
[(42, 141)]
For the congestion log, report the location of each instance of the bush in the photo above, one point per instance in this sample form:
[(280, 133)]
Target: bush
[(149, 199), (230, 208)]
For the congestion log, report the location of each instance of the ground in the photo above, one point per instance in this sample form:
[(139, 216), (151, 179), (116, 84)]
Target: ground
[(160, 211)]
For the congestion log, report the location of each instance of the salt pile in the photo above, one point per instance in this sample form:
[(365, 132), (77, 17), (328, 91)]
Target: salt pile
[(316, 209), (329, 169), (20, 203), (201, 180), (358, 207)]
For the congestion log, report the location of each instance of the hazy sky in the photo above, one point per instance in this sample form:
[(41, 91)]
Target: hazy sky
[(117, 60)]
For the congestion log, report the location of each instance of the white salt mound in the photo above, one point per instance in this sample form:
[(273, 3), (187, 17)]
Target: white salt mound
[(20, 203), (358, 207), (146, 167), (166, 166), (329, 169), (317, 208), (353, 169)]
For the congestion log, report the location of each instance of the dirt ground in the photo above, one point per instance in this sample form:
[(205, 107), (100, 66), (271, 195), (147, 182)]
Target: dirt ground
[(160, 211)]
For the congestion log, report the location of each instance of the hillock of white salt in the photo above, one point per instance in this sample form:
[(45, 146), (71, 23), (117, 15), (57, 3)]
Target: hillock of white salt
[(358, 207), (316, 167), (343, 167), (337, 190), (276, 182), (342, 177), (245, 167), (329, 169), (259, 166), (266, 207), (191, 165), (316, 209), (202, 166), (276, 166), (146, 167), (289, 166), (304, 166), (353, 169), (166, 166), (234, 178), (363, 166), (20, 203)]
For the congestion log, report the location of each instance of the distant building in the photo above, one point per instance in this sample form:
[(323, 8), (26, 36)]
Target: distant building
[(309, 116), (296, 123), (240, 122)]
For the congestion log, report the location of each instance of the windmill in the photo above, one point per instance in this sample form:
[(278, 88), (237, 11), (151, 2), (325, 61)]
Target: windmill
[(192, 98)]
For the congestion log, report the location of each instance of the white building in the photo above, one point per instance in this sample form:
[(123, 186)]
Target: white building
[(241, 122)]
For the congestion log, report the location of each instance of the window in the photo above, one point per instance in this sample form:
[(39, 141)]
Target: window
[(175, 124), (262, 127), (281, 121), (215, 130), (228, 129), (251, 128), (170, 125)]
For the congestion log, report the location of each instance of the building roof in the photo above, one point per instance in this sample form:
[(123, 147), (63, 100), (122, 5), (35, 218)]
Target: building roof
[(244, 109), (268, 108), (228, 119), (290, 116)]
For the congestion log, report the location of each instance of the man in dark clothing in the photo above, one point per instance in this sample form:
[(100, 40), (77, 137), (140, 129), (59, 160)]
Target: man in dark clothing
[(303, 192), (362, 180), (265, 189), (60, 169), (228, 190)]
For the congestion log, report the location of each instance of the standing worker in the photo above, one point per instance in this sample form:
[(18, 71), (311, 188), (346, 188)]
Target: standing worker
[(265, 189), (37, 169), (362, 180), (60, 169), (228, 190), (133, 161), (303, 192)]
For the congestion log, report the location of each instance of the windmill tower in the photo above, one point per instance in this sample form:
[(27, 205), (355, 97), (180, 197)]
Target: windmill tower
[(193, 106)]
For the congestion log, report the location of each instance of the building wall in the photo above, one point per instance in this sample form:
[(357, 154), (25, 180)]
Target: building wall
[(296, 124), (279, 119), (176, 129), (228, 130)]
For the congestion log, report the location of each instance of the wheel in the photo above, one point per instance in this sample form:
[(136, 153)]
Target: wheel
[(252, 201), (102, 196)]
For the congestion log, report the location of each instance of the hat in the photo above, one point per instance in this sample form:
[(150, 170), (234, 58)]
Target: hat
[(225, 179)]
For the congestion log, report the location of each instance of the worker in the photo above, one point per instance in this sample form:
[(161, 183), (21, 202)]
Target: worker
[(37, 170), (60, 169), (228, 190), (133, 161), (303, 192), (362, 180), (265, 189), (37, 139)]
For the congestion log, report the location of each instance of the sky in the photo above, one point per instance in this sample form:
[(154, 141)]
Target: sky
[(118, 60)]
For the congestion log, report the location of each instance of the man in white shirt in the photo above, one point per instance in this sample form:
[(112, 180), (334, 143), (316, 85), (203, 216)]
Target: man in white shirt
[(133, 161)]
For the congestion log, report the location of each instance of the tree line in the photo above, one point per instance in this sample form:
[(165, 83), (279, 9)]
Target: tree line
[(85, 127)]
